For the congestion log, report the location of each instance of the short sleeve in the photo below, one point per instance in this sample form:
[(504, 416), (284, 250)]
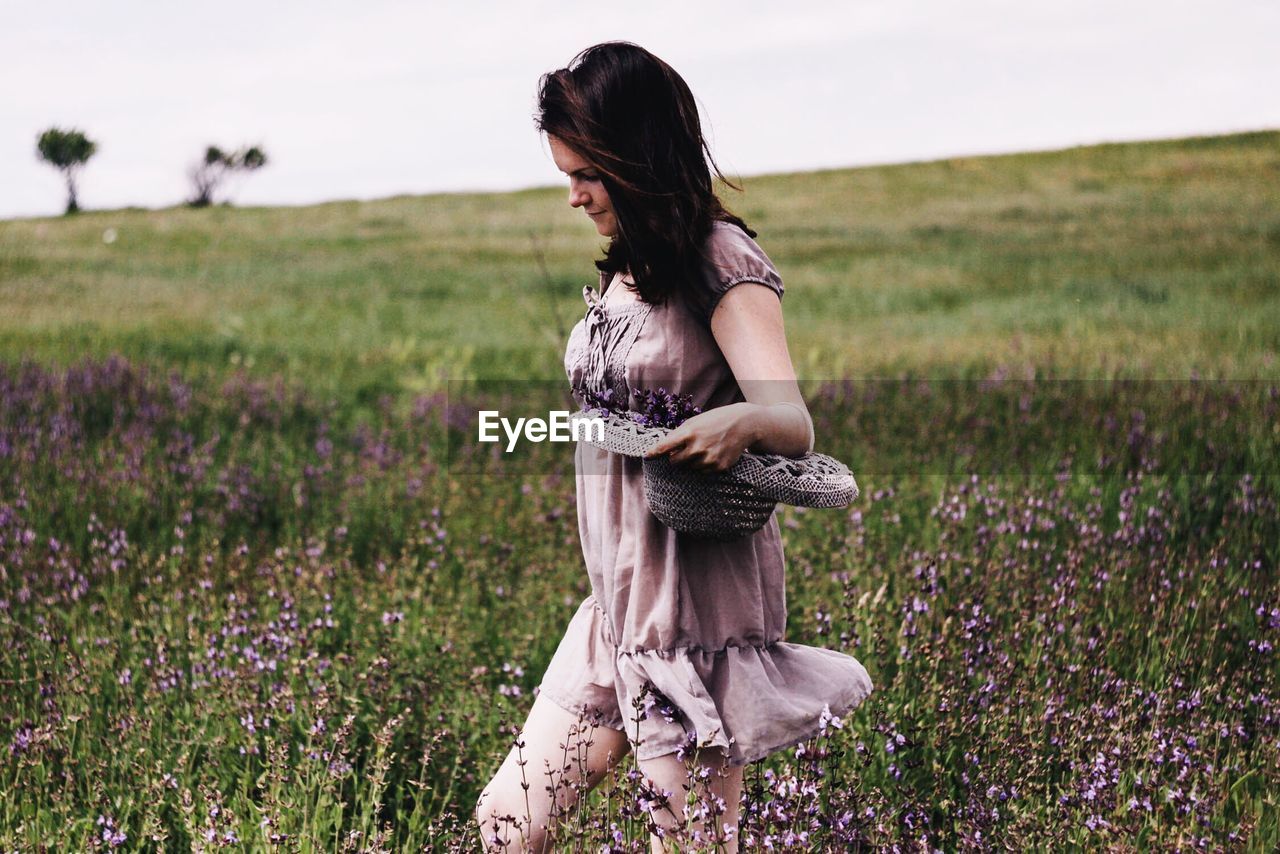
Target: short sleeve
[(732, 258)]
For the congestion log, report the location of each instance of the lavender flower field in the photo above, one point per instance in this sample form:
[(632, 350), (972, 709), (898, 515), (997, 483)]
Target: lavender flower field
[(260, 590), (237, 616)]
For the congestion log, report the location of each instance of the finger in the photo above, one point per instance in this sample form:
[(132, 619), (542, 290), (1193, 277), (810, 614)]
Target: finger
[(699, 459), (678, 455), (665, 445), (727, 461)]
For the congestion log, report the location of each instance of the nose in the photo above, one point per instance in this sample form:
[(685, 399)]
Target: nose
[(577, 196)]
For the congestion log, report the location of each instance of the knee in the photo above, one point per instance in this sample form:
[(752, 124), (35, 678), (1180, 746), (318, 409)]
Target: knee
[(504, 820)]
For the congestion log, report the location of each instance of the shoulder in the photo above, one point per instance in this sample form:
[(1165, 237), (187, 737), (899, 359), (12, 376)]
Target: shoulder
[(730, 258), (733, 256)]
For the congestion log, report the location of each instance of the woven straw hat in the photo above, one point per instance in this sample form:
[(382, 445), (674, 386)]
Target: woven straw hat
[(729, 504)]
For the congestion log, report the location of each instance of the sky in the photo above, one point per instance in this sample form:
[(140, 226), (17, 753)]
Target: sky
[(376, 98)]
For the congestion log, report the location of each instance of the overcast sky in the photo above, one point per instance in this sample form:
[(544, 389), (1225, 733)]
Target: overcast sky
[(377, 98)]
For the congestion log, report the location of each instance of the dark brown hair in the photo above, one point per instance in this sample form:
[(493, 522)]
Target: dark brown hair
[(632, 117)]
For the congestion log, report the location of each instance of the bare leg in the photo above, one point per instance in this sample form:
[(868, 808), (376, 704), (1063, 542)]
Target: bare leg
[(557, 759), (717, 782)]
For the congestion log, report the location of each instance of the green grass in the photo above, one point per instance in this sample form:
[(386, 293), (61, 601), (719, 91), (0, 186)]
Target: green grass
[(1155, 259)]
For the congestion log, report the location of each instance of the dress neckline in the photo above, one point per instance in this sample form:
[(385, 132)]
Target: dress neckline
[(601, 309), (614, 304)]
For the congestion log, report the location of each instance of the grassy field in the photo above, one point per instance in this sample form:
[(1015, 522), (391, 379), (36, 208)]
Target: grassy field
[(1156, 259), (250, 600)]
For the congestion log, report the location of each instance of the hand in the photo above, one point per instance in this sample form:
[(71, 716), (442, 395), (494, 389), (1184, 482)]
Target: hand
[(710, 441)]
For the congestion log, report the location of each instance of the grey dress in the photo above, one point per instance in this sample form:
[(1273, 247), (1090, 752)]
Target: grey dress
[(695, 625)]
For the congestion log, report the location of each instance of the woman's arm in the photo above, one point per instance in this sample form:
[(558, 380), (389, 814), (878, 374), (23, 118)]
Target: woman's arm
[(747, 326)]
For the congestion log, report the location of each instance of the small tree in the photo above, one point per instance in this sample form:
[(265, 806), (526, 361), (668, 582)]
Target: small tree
[(68, 150), (216, 166)]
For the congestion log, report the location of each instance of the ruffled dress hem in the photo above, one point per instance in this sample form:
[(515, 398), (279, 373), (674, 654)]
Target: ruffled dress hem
[(749, 700)]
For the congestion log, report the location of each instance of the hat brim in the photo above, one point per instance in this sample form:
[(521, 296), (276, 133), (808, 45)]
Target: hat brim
[(814, 480)]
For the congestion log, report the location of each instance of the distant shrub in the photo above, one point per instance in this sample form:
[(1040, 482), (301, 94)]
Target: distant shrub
[(68, 150), (217, 164)]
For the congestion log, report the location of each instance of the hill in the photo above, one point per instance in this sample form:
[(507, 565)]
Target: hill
[(1153, 259)]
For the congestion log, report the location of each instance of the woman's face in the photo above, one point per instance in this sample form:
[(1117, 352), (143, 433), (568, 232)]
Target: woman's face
[(585, 188)]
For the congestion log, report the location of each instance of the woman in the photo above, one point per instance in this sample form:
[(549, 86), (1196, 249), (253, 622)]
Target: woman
[(678, 652)]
